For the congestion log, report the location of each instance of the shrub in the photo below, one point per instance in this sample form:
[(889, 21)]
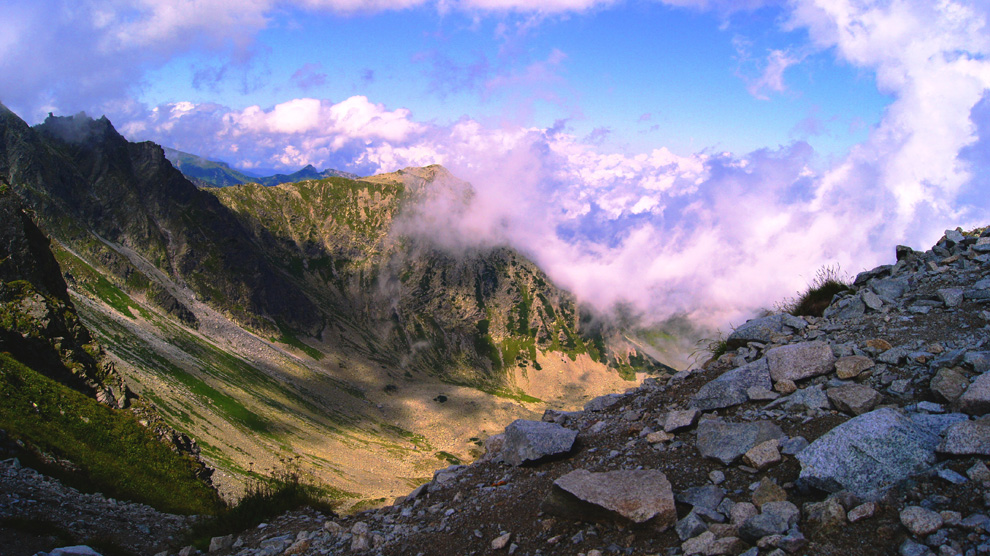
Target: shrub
[(827, 284), (266, 499)]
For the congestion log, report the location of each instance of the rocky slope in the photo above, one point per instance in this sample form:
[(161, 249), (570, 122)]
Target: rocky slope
[(862, 432)]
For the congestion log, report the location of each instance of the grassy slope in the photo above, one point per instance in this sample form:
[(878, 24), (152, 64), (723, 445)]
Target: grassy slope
[(114, 453)]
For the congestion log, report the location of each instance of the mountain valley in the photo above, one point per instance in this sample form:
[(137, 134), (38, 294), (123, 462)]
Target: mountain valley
[(314, 327)]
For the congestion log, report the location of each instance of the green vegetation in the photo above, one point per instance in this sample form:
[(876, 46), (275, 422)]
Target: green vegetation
[(448, 457), (266, 499), (290, 339), (114, 454), (827, 284)]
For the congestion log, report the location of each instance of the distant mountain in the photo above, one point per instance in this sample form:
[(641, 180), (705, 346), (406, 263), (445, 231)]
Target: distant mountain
[(309, 322), (204, 172), (211, 173)]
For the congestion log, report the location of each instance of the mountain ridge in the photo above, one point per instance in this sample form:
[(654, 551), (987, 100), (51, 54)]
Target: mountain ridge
[(296, 322), (214, 173)]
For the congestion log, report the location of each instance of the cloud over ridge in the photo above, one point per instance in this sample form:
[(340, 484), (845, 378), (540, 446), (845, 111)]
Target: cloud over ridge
[(709, 234)]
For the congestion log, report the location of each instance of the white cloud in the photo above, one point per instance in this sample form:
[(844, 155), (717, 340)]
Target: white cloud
[(714, 235)]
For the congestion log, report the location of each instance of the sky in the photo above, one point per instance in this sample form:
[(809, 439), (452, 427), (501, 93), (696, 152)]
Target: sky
[(701, 158)]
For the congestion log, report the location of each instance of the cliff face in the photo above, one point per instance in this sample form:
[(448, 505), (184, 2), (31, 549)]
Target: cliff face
[(39, 323)]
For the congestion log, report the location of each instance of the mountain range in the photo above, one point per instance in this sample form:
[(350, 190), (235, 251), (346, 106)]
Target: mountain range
[(317, 325), (212, 173)]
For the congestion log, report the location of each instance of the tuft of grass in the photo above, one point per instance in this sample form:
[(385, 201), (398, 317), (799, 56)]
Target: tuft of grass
[(828, 283), (268, 498), (715, 347), (109, 451)]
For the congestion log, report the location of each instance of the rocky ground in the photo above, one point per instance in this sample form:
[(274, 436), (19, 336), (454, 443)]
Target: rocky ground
[(862, 432), (38, 512)]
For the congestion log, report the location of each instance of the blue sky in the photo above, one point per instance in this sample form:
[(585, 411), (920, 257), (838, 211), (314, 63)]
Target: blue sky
[(699, 157), (642, 74)]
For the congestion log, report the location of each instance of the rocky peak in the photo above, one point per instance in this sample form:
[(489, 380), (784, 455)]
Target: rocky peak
[(79, 129)]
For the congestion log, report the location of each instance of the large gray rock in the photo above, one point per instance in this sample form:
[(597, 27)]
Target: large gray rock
[(730, 388), (799, 361), (890, 289), (846, 308), (868, 454), (976, 399), (756, 330), (728, 441), (531, 441), (636, 496), (854, 398), (967, 438)]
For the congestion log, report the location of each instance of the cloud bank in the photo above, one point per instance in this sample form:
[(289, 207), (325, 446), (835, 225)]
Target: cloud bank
[(711, 235)]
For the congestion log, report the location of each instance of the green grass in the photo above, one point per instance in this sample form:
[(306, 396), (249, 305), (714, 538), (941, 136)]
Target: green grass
[(113, 452), (266, 499), (448, 457), (290, 339), (827, 284)]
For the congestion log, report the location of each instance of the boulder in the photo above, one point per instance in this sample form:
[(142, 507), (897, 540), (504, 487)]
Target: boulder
[(868, 454), (851, 366), (708, 496), (854, 398), (949, 384), (680, 419), (627, 496), (799, 361), (920, 521), (976, 399), (728, 441), (763, 454), (952, 297), (602, 403), (967, 438), (730, 388), (756, 330), (767, 491), (531, 441)]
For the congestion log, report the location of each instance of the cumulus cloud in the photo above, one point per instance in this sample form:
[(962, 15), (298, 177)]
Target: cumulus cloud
[(714, 236)]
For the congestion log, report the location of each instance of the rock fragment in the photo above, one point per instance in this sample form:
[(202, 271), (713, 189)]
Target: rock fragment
[(949, 384), (920, 521), (532, 441), (630, 496), (800, 361), (852, 366), (967, 438), (728, 441), (854, 398), (730, 388), (976, 399)]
